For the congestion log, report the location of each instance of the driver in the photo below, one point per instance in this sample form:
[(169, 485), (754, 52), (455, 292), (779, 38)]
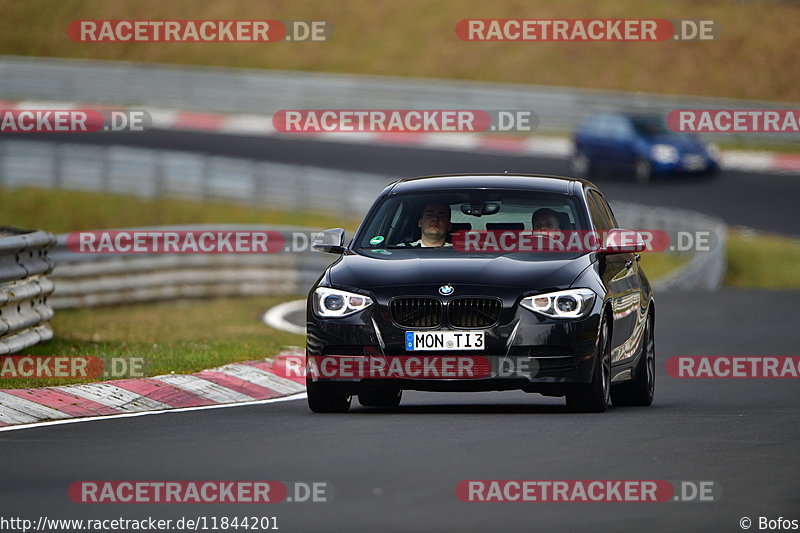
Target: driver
[(545, 220), (434, 222)]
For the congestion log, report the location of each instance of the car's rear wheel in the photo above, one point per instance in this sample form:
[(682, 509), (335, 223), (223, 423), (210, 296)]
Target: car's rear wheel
[(384, 398), (639, 391), (643, 171), (323, 398), (594, 397), (580, 165)]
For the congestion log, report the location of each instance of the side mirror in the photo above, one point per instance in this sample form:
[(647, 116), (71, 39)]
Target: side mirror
[(330, 240), (623, 241)]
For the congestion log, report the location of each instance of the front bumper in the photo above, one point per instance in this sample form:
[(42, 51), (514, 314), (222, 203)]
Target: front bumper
[(687, 164), (524, 351)]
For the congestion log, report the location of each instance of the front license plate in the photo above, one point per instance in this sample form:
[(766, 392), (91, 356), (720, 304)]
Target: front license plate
[(694, 162), (444, 340)]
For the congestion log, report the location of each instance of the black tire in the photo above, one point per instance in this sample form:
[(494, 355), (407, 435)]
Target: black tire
[(580, 165), (323, 398), (385, 398), (640, 390), (643, 171), (710, 175), (594, 397)]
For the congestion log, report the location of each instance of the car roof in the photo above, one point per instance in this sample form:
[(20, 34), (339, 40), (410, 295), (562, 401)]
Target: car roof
[(642, 115), (529, 182)]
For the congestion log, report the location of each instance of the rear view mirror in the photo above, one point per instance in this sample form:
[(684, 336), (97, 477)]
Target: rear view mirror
[(330, 240), (480, 209), (623, 241)]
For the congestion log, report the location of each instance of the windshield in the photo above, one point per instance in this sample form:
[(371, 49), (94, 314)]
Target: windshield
[(429, 221), (650, 126)]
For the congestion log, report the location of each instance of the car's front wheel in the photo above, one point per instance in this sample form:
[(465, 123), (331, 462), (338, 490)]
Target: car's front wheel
[(323, 398), (594, 397), (385, 398), (640, 390), (643, 171)]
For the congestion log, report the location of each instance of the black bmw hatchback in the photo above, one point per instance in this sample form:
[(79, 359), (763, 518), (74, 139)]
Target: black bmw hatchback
[(481, 283)]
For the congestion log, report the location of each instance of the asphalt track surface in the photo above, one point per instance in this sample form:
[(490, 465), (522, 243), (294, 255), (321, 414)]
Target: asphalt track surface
[(397, 471), (766, 202)]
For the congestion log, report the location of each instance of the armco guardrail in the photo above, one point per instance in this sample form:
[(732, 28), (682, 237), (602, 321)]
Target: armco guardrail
[(706, 264), (88, 280), (559, 109), (24, 288), (157, 173), (162, 173)]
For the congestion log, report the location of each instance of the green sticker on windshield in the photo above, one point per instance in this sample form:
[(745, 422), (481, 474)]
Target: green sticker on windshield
[(376, 240)]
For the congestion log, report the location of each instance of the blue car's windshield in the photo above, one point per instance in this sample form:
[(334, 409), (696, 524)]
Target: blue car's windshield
[(650, 126)]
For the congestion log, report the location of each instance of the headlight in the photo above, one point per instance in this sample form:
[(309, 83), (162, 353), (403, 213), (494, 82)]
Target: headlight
[(335, 303), (713, 151), (664, 153), (571, 303)]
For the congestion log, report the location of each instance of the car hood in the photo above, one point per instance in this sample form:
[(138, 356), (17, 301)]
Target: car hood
[(408, 269), (684, 143)]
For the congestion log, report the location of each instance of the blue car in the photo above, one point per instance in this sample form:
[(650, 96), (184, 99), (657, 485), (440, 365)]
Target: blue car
[(640, 145)]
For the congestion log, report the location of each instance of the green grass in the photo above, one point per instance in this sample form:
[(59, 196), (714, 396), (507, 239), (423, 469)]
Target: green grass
[(659, 264), (762, 261), (180, 337), (750, 59), (173, 337), (61, 211)]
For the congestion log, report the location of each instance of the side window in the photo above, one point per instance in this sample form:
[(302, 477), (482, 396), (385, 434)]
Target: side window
[(593, 127), (620, 128), (601, 220), (602, 126), (609, 213), (596, 126)]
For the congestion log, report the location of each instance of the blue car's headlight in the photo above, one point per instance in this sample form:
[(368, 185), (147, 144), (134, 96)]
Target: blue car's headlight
[(664, 153), (570, 303), (335, 303)]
